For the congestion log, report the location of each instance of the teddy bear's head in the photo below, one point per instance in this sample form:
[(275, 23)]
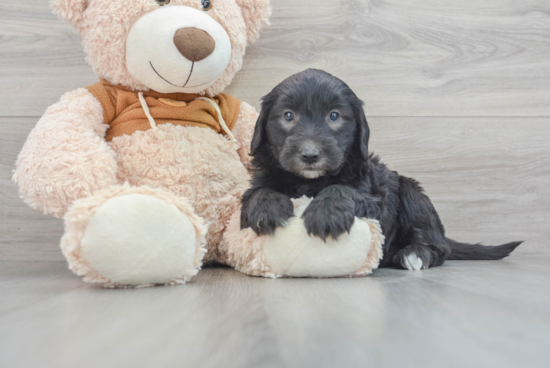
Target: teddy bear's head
[(189, 46)]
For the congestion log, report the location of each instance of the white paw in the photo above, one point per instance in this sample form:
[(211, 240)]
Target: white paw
[(412, 262), (138, 239)]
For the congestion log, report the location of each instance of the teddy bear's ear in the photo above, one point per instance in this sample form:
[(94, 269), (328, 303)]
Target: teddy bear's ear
[(256, 14), (70, 10)]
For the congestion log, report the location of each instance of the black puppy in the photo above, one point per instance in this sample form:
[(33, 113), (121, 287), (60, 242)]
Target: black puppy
[(312, 139)]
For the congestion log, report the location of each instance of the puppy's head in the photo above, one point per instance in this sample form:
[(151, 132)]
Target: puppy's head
[(311, 123)]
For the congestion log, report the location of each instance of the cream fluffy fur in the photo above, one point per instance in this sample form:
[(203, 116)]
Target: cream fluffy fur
[(194, 163), (67, 168), (65, 156)]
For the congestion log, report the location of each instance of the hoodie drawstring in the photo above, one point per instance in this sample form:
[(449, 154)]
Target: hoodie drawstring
[(148, 114), (214, 104)]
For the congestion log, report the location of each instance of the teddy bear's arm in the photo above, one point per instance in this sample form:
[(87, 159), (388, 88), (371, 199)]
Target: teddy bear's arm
[(244, 130), (65, 156)]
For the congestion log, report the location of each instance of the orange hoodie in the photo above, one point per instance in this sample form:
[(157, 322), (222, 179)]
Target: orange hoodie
[(124, 113)]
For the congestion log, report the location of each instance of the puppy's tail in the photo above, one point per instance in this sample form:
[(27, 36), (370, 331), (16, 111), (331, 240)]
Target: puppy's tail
[(464, 251)]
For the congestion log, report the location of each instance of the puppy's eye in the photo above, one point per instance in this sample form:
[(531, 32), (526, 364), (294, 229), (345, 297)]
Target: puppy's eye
[(206, 5), (334, 116), (289, 116), (163, 2)]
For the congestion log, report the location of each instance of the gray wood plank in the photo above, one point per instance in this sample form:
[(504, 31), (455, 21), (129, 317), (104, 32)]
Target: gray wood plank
[(421, 58), (40, 58), (489, 178), (25, 234), (464, 314)]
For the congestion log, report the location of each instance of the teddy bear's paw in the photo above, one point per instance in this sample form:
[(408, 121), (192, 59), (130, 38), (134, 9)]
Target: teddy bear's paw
[(133, 239), (291, 252)]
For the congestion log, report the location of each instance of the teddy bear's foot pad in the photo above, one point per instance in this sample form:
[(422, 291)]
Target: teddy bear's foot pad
[(292, 252), (137, 239)]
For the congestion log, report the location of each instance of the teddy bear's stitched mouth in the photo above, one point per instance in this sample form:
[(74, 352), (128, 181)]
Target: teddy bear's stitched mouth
[(188, 78), (167, 81)]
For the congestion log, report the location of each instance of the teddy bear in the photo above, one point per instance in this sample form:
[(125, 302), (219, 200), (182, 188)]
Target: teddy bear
[(148, 166)]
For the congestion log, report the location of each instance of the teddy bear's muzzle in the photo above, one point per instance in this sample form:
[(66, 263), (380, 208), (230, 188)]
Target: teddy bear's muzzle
[(194, 44), (187, 54)]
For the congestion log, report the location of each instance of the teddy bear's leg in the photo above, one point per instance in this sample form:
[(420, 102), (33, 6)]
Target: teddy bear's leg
[(291, 252), (133, 236), (244, 250)]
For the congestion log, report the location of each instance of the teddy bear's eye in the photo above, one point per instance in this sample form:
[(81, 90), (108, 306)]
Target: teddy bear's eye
[(206, 5), (163, 2)]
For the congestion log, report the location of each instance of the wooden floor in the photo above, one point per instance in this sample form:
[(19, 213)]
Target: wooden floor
[(465, 314), (457, 94)]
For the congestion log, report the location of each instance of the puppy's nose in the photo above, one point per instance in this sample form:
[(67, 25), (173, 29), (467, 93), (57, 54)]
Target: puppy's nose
[(310, 154), (194, 44)]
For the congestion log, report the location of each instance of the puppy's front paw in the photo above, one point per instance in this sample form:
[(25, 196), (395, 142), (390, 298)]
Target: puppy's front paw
[(265, 213), (365, 208), (329, 217)]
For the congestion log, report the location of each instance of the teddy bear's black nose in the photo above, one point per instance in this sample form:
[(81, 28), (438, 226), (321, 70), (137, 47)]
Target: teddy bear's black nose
[(194, 44)]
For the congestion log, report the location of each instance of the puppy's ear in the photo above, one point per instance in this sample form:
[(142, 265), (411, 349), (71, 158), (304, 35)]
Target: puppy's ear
[(256, 14), (363, 132), (70, 10), (260, 137)]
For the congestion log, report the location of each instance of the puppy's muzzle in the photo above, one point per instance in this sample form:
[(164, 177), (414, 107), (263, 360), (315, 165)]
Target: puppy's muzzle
[(194, 44), (310, 154)]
